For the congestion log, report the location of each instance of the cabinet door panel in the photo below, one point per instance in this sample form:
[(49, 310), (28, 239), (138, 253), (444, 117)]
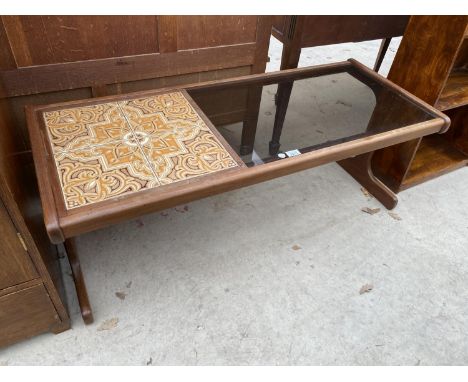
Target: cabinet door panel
[(15, 264), (26, 313)]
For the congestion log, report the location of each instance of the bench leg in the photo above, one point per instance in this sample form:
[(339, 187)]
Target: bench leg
[(360, 169), (80, 285)]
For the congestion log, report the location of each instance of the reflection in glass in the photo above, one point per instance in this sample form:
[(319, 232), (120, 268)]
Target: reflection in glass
[(319, 112)]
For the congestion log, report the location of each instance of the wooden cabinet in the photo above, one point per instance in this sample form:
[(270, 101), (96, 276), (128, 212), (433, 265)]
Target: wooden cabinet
[(26, 307), (431, 63), (15, 265), (25, 313), (31, 295)]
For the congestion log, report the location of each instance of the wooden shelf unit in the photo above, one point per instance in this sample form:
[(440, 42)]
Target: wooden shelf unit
[(432, 63), (436, 155), (455, 92)]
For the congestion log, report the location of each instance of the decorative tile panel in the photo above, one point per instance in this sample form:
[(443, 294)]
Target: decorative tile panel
[(176, 141), (85, 126), (114, 149)]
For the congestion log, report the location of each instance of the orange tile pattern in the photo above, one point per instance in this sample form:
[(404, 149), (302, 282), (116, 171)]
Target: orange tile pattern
[(108, 150)]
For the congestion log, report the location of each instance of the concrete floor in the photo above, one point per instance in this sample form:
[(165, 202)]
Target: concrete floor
[(271, 274)]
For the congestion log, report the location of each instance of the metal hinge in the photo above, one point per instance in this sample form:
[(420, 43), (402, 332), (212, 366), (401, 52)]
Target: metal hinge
[(23, 243)]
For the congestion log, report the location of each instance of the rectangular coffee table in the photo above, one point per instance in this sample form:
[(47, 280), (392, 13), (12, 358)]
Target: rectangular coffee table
[(105, 160)]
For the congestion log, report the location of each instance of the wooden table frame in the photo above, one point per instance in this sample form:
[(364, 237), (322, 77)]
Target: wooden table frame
[(63, 225)]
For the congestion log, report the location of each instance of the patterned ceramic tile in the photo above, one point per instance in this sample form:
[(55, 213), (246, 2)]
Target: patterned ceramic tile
[(176, 141), (113, 149), (102, 172), (80, 127)]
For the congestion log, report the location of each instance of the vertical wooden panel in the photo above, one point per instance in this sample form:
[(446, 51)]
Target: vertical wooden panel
[(262, 40), (167, 32), (461, 61), (459, 136), (279, 23), (7, 59), (18, 40), (15, 265)]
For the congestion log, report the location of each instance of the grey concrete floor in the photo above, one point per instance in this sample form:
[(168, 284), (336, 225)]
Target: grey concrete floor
[(271, 274)]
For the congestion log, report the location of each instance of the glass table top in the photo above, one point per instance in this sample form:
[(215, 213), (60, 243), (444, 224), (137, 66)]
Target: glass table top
[(321, 111)]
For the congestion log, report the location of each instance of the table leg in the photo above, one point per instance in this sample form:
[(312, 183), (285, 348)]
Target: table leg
[(283, 95), (80, 285), (289, 60), (360, 169), (249, 129), (381, 55)]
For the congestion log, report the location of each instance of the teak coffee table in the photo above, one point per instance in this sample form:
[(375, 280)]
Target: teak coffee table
[(105, 160)]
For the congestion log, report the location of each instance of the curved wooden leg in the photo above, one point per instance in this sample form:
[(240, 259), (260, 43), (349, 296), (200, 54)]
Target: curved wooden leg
[(360, 169), (80, 285)]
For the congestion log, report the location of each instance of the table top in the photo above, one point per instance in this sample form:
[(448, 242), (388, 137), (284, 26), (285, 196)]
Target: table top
[(112, 149), (104, 160)]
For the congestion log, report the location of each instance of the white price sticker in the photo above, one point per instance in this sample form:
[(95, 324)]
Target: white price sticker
[(292, 153)]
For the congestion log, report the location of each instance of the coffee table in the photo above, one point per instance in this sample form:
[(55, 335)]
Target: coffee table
[(105, 160)]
